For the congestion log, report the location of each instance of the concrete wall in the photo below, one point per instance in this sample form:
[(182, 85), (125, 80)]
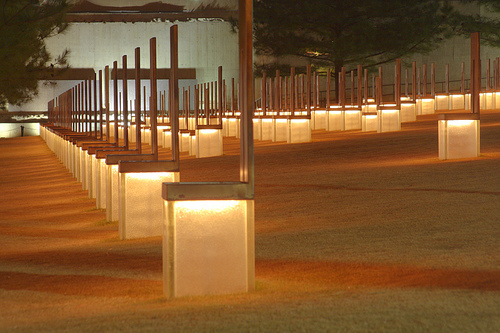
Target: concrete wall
[(203, 45)]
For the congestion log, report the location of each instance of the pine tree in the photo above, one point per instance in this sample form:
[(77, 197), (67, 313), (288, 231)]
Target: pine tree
[(24, 60)]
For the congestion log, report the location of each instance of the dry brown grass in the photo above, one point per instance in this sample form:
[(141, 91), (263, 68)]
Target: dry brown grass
[(355, 232)]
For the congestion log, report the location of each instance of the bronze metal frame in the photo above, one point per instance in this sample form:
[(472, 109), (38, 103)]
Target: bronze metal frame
[(245, 189)]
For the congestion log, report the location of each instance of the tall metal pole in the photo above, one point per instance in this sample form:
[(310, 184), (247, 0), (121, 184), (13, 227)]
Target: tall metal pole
[(174, 79), (115, 98), (101, 132), (398, 83), (138, 142), (220, 94), (106, 101), (359, 90), (153, 109), (125, 100), (246, 93), (475, 72), (94, 88)]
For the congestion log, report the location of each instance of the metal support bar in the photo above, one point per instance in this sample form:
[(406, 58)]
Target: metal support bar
[(475, 73), (174, 81), (138, 126)]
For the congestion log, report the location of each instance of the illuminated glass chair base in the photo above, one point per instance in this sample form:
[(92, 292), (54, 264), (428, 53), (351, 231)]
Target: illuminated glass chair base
[(369, 122), (101, 183), (352, 119), (457, 102), (112, 202), (371, 107), (121, 132), (408, 112), (487, 100), (496, 98), (231, 126), (292, 130), (319, 119), (459, 136), (160, 131), (388, 119), (208, 239), (467, 101), (257, 128), (426, 106), (146, 135), (92, 175), (267, 129), (185, 141), (166, 139), (442, 102), (208, 142), (140, 203), (335, 120), (131, 133)]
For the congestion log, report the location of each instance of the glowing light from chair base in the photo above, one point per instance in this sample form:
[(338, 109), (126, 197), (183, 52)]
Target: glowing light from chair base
[(268, 129), (388, 120), (166, 139), (457, 102), (111, 130), (369, 122), (496, 98), (257, 128), (352, 119), (369, 108), (101, 184), (112, 202), (184, 142), (281, 130), (193, 148), (159, 132), (426, 106), (487, 101), (208, 247), (234, 127), (408, 112), (318, 119), (83, 168), (141, 204), (131, 133), (335, 120), (208, 143), (459, 139), (442, 102), (299, 130), (92, 176)]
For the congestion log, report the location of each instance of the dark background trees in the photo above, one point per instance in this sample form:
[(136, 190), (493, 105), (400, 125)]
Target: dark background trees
[(24, 60), (338, 33)]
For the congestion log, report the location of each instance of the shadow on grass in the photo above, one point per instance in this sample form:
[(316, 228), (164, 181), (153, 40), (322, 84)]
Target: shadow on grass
[(340, 274)]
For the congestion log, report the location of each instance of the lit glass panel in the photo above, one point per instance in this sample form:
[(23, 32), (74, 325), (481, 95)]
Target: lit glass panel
[(112, 210), (459, 139), (141, 204), (300, 130), (208, 143), (208, 247)]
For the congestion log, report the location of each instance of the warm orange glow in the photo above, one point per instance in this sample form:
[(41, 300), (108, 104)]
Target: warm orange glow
[(459, 123), (208, 247), (205, 206), (458, 138)]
